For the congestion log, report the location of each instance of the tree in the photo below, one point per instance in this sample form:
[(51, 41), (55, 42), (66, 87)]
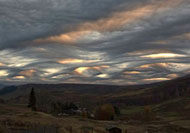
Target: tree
[(32, 100), (67, 107), (149, 115), (117, 110), (105, 112)]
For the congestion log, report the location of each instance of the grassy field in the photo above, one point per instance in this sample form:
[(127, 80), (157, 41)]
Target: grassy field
[(132, 110), (20, 114), (167, 120)]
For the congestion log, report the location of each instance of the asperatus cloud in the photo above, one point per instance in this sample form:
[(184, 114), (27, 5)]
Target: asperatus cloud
[(123, 42)]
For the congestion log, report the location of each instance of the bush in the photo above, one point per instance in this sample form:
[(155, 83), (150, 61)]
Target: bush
[(105, 112), (148, 114), (67, 107)]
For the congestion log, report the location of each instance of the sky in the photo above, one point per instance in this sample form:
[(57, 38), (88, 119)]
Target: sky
[(122, 42)]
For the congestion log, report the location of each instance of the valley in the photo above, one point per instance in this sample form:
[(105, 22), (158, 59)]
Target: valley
[(158, 107)]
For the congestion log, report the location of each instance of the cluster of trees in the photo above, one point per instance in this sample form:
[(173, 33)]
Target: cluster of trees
[(106, 112), (155, 95), (102, 112), (54, 107), (163, 94), (67, 107)]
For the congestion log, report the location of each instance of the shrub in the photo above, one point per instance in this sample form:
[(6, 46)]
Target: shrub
[(105, 112), (148, 114)]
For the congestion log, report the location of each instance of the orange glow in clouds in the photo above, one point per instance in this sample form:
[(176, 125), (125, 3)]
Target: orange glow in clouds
[(132, 72), (157, 79), (28, 73), (3, 73), (172, 76), (163, 65), (163, 55), (70, 61), (114, 22), (1, 64), (19, 77), (81, 70), (185, 36)]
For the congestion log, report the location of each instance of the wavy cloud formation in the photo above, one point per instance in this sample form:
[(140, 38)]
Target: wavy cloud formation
[(97, 41), (112, 23)]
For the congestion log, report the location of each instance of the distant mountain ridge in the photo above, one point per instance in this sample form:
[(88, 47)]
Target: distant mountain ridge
[(1, 86), (128, 95), (8, 89)]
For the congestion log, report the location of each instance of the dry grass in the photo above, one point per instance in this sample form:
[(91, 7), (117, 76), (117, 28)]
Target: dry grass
[(22, 115)]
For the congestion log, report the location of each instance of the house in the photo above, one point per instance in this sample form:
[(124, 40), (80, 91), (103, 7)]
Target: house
[(113, 129)]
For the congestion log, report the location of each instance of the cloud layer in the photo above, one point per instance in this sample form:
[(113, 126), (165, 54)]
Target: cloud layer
[(98, 41)]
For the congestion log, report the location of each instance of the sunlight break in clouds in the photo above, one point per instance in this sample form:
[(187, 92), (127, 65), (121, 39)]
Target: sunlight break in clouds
[(114, 22), (19, 77), (173, 67), (13, 59), (132, 72), (50, 71), (185, 36), (104, 41), (147, 66), (157, 79), (1, 64), (28, 73), (81, 70), (172, 76), (163, 55), (74, 61), (3, 73), (103, 76)]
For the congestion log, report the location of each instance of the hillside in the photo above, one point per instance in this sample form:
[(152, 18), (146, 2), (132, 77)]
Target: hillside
[(154, 93), (2, 86), (15, 116), (127, 95), (18, 117), (169, 104)]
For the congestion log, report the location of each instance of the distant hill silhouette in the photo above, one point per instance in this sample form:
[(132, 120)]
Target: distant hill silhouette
[(128, 95), (2, 85), (7, 90)]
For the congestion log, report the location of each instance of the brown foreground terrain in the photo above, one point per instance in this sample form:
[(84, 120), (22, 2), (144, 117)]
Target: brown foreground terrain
[(20, 118), (154, 108)]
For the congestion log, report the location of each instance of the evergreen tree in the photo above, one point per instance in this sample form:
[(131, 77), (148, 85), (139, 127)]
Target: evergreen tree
[(32, 100), (117, 110)]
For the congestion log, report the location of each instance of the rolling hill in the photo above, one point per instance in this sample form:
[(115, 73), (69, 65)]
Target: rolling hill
[(2, 86), (169, 102), (119, 95)]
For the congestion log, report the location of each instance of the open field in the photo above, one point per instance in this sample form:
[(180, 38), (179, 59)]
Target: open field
[(158, 108), (18, 116)]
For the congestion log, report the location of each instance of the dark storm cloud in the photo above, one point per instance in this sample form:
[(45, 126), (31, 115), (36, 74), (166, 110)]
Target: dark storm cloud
[(149, 42), (26, 20)]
